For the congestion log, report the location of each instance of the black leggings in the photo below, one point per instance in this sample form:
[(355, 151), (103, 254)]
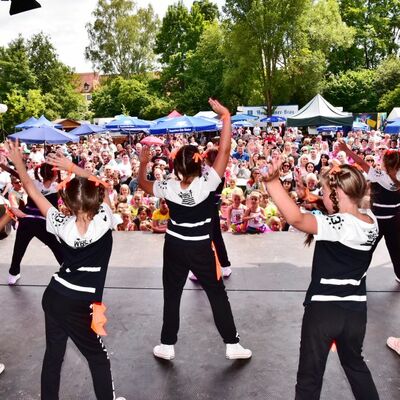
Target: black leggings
[(390, 230), (179, 258), (323, 323), (64, 318), (29, 228)]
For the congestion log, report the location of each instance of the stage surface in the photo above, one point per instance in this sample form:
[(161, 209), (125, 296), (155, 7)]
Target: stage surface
[(271, 273)]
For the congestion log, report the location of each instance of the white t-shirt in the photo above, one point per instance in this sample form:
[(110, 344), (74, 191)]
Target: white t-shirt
[(65, 226), (194, 194), (348, 230), (381, 177)]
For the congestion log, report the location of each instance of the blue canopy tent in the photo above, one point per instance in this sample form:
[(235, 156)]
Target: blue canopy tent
[(27, 124), (243, 124), (43, 121), (273, 118), (393, 128), (128, 124), (243, 117), (44, 134), (87, 129), (183, 124)]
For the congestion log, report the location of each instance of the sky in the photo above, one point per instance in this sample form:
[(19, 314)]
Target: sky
[(64, 21)]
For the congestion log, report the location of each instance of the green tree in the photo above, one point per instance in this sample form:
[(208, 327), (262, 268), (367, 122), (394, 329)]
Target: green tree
[(288, 42), (131, 96), (204, 72), (179, 35), (390, 100), (377, 30), (355, 91), (122, 37)]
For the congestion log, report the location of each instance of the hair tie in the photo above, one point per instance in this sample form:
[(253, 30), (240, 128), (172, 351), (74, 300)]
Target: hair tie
[(197, 157), (63, 184), (334, 170), (98, 181)]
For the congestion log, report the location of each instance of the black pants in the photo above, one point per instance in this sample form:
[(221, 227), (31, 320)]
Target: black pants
[(66, 318), (29, 228), (179, 258), (390, 230), (219, 241), (323, 323)]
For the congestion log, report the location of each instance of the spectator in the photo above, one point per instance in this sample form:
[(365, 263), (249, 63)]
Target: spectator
[(160, 217)]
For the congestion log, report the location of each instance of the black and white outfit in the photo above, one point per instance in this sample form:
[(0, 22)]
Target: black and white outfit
[(336, 305), (34, 225), (188, 247), (67, 301), (385, 197)]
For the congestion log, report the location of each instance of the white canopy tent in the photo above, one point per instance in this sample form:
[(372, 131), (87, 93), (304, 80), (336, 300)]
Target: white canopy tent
[(394, 114)]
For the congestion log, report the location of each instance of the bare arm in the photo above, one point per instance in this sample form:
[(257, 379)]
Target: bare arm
[(360, 161), (143, 182), (61, 162), (15, 156), (224, 149), (304, 222)]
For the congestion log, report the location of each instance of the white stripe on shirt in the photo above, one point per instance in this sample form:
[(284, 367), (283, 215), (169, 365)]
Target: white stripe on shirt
[(89, 269), (190, 225), (353, 282), (192, 238), (386, 205), (320, 297), (72, 286), (384, 216)]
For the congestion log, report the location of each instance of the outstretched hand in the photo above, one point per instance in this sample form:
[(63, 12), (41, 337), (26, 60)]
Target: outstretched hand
[(218, 107), (14, 153), (273, 170), (60, 161), (145, 155)]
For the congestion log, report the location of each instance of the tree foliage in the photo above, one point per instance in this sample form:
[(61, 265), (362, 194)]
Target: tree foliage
[(122, 38), (131, 96), (377, 33), (33, 82)]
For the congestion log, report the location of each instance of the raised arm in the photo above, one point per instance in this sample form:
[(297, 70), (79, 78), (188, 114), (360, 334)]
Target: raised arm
[(224, 149), (304, 222), (360, 161), (143, 182), (61, 162), (14, 154)]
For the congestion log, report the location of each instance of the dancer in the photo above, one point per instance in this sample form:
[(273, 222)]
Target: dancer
[(70, 299), (385, 199), (188, 238), (33, 224), (336, 301)]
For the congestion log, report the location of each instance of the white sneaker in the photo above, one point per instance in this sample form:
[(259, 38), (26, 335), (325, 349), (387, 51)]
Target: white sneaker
[(226, 272), (165, 351), (2, 367), (12, 279), (235, 351), (120, 398), (192, 276), (394, 344)]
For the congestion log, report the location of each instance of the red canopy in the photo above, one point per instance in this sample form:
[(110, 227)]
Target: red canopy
[(174, 114)]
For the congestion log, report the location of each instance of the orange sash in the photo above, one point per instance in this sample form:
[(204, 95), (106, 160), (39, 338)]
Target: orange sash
[(99, 319)]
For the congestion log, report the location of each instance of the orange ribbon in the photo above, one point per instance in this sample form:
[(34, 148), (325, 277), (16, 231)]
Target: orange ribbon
[(99, 319), (98, 181), (217, 263), (63, 184), (10, 213), (355, 165), (334, 170), (197, 157)]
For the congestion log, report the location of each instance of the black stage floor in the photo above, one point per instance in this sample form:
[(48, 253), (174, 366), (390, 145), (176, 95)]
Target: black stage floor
[(266, 290)]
